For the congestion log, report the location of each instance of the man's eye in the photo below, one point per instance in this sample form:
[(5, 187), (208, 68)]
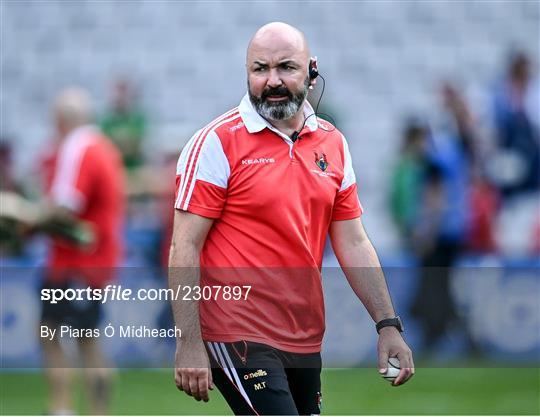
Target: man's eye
[(258, 69)]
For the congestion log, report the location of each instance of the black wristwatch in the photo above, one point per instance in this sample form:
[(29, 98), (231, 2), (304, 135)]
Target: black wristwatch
[(395, 322)]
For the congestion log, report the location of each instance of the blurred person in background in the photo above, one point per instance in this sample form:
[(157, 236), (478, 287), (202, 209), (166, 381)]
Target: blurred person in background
[(408, 179), (125, 123), (485, 203), (459, 120), (11, 232), (516, 128), (433, 306), (86, 185), (482, 197), (442, 227), (417, 203)]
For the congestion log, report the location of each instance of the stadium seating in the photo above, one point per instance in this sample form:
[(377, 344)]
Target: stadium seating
[(381, 60)]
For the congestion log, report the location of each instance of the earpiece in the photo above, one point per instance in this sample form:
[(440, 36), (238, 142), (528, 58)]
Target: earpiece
[(313, 73)]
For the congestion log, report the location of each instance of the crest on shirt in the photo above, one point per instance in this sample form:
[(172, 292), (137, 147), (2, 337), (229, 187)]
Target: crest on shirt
[(320, 160)]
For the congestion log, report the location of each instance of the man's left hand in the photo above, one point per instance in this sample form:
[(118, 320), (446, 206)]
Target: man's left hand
[(392, 345)]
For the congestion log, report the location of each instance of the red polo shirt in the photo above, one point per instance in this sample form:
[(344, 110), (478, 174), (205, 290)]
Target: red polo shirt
[(88, 179), (273, 201)]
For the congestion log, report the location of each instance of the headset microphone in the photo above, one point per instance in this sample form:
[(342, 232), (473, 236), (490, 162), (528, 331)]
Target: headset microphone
[(313, 73)]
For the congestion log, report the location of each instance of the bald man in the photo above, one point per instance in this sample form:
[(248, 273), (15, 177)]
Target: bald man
[(258, 190), (86, 185)]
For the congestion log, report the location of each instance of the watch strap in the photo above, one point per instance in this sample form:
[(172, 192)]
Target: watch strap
[(394, 322)]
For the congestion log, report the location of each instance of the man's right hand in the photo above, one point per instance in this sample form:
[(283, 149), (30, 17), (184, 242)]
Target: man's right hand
[(192, 373)]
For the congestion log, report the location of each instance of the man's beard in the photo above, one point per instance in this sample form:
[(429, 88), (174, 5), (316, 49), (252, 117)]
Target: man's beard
[(282, 110)]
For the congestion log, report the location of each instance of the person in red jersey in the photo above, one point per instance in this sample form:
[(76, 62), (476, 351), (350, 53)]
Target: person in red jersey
[(85, 186), (258, 190)]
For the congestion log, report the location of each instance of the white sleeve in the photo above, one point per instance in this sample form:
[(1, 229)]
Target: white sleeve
[(202, 159), (64, 191), (348, 173)]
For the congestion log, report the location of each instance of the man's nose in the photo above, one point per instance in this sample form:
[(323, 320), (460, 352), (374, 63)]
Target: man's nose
[(274, 80)]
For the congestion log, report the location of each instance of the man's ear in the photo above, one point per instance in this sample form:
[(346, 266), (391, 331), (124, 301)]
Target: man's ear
[(312, 65)]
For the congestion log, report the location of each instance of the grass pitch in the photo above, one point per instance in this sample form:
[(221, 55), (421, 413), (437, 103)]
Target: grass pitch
[(458, 391)]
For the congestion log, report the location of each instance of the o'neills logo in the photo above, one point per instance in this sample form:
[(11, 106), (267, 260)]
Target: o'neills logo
[(258, 161), (256, 374)]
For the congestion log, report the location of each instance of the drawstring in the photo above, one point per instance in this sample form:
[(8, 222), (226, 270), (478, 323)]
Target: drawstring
[(243, 357)]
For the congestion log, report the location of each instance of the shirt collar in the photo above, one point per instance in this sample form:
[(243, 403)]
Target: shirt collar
[(254, 122)]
